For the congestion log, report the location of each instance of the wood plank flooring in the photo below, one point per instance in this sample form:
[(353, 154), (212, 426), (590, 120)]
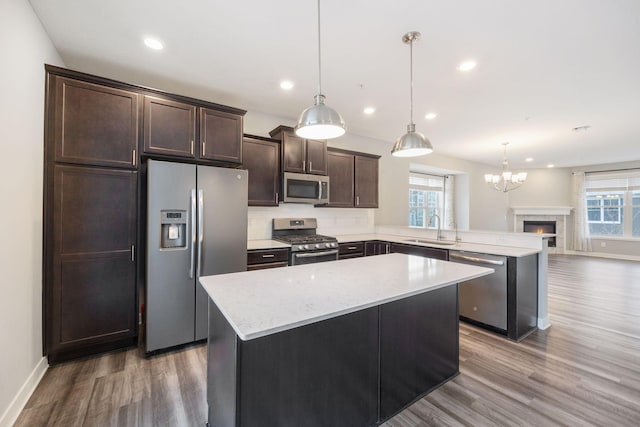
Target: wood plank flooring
[(583, 371)]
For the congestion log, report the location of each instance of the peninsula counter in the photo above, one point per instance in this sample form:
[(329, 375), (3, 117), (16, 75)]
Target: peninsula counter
[(348, 342)]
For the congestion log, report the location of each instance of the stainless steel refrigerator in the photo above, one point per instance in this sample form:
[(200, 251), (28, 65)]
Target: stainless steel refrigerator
[(196, 226)]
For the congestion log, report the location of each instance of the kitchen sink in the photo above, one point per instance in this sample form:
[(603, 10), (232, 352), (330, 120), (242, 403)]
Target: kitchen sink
[(431, 242)]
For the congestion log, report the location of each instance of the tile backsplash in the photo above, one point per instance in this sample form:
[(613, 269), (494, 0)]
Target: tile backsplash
[(331, 221)]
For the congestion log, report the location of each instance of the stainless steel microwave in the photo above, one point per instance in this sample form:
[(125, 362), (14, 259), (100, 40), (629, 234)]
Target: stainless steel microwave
[(305, 188)]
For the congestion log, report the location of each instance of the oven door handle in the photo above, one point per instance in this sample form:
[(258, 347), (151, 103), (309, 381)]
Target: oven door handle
[(316, 254)]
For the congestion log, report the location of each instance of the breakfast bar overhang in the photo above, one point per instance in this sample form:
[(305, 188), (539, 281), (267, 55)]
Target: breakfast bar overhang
[(349, 342)]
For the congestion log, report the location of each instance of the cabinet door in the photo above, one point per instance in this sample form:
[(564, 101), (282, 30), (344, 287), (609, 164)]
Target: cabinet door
[(94, 124), (91, 296), (169, 127), (341, 172), (220, 136), (262, 160), (366, 182), (316, 157), (294, 153)]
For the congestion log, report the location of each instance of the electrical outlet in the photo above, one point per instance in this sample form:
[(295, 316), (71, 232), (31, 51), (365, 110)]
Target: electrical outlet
[(603, 244)]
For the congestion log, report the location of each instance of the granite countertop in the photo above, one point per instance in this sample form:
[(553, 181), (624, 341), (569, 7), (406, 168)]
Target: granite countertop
[(263, 302), (266, 244)]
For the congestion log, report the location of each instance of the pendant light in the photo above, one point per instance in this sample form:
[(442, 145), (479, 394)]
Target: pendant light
[(320, 121), (412, 143)]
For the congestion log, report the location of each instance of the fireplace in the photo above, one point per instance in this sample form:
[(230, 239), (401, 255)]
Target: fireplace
[(541, 227)]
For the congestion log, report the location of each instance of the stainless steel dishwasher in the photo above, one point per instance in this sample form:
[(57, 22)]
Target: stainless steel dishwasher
[(483, 299)]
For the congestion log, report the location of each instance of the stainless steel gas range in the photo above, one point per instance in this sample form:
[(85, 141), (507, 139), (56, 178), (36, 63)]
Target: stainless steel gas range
[(307, 247)]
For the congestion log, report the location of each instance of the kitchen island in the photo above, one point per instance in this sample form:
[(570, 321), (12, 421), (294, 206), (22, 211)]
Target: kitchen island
[(337, 343)]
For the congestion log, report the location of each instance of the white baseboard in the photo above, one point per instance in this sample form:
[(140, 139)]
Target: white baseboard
[(11, 414), (604, 255), (543, 322)]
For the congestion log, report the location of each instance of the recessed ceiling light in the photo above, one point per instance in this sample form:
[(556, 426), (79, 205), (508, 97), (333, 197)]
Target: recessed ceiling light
[(154, 44), (286, 85), (467, 66), (431, 116), (529, 159), (369, 110), (550, 166)]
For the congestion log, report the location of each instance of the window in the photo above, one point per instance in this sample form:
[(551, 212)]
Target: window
[(613, 203), (426, 199)]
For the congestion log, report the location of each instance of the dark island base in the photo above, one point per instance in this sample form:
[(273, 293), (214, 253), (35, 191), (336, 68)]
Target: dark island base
[(357, 369)]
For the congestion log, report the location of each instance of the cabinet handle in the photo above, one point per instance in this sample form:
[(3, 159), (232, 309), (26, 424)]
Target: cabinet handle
[(357, 200), (352, 248), (268, 256), (276, 197), (310, 163), (133, 253), (134, 160), (192, 147), (304, 164)]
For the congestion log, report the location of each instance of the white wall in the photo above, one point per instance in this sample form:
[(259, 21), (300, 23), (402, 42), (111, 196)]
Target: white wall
[(25, 48)]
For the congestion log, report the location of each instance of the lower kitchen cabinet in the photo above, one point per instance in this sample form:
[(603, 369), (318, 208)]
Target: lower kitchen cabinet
[(261, 157), (375, 247), (350, 250), (259, 259), (90, 282), (422, 251)]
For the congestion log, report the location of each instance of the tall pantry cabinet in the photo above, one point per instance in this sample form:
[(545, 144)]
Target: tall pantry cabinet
[(90, 217)]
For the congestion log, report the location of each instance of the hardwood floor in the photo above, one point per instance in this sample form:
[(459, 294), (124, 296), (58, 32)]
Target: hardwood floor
[(583, 371)]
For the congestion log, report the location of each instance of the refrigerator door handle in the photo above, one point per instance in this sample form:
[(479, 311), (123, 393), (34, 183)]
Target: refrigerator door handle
[(200, 230), (193, 233)]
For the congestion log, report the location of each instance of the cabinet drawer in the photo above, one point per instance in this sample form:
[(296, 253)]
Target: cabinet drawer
[(351, 248), (264, 256)]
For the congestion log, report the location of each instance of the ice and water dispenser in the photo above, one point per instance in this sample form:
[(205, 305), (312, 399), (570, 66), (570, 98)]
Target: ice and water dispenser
[(173, 225)]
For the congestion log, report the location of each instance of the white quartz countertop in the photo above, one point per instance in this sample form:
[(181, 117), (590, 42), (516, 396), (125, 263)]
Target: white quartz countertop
[(263, 302), (462, 246)]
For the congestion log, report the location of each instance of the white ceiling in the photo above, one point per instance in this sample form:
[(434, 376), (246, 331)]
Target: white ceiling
[(544, 66)]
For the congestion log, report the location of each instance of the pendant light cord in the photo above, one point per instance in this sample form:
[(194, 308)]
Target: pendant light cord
[(319, 55), (411, 78)]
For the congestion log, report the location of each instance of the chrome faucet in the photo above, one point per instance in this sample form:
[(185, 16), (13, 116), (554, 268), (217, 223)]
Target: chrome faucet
[(436, 216)]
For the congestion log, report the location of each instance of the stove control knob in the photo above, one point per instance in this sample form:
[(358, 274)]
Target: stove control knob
[(333, 245), (306, 247), (318, 245), (300, 247)]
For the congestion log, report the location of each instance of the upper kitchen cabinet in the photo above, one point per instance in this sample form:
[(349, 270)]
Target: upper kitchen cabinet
[(261, 157), (220, 136), (92, 124), (170, 130), (353, 179), (301, 155), (169, 127)]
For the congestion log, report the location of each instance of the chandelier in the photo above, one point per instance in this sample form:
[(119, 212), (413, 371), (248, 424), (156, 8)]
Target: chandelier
[(508, 180)]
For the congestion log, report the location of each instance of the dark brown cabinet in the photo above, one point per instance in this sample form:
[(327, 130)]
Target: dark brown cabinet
[(170, 130), (301, 155), (91, 300), (341, 169), (353, 179), (220, 136), (350, 250), (375, 247), (261, 157), (422, 251), (169, 127), (259, 259), (93, 124)]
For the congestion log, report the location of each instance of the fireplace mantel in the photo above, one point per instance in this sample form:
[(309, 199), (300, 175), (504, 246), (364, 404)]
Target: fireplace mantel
[(542, 210)]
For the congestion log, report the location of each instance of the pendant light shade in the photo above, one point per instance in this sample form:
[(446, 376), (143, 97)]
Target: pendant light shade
[(412, 143), (320, 121)]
